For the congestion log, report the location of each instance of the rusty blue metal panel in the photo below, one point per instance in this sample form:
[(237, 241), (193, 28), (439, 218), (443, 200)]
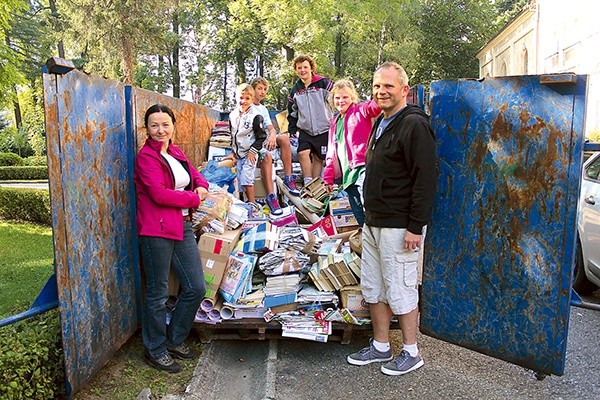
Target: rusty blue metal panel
[(500, 247), (90, 176)]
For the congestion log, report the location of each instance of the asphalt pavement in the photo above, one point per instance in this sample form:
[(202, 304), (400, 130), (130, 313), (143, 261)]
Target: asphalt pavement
[(290, 369)]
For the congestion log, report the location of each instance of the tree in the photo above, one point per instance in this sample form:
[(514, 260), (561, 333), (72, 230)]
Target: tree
[(110, 34), (449, 33), (10, 60)]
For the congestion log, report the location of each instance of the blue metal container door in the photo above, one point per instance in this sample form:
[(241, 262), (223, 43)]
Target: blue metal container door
[(500, 245), (90, 163)]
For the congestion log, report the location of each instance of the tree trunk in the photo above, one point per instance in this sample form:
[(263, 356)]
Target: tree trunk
[(241, 66), (225, 73), (339, 42), (127, 61), (17, 110), (381, 44), (261, 66), (55, 24), (160, 85), (176, 77), (289, 53)]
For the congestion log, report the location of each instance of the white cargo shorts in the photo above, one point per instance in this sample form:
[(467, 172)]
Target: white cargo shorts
[(389, 272)]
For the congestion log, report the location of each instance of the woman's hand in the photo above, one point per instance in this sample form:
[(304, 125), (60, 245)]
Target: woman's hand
[(201, 192), (251, 157)]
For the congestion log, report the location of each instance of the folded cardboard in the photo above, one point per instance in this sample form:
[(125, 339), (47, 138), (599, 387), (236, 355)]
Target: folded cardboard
[(214, 252), (217, 153), (344, 220), (324, 227), (353, 300), (339, 206)]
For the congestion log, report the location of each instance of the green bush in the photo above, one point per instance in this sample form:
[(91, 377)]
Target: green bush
[(35, 160), (10, 159), (31, 359), (31, 205), (23, 173)]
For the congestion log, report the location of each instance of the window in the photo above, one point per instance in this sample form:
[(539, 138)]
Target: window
[(525, 60), (593, 170)]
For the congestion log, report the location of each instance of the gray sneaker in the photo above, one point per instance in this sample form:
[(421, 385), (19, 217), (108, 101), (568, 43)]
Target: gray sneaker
[(403, 364), (369, 355)]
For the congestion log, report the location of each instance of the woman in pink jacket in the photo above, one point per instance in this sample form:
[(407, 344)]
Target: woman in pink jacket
[(168, 188), (348, 136)]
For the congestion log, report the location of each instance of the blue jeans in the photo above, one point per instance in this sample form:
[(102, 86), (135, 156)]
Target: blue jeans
[(158, 256)]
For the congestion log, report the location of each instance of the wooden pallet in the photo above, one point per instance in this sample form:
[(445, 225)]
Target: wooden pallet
[(258, 329)]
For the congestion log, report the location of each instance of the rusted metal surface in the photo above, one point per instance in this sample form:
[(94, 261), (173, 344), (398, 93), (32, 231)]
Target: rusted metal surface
[(90, 165), (500, 247), (192, 128), (94, 129)]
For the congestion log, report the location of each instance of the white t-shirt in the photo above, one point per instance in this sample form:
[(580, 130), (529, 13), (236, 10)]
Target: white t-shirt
[(182, 177)]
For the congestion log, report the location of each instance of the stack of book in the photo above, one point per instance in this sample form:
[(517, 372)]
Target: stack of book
[(332, 273), (281, 289)]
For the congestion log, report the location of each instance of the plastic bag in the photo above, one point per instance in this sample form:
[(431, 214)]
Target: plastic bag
[(221, 176), (211, 215)]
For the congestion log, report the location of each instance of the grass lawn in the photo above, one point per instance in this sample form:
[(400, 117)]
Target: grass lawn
[(26, 263)]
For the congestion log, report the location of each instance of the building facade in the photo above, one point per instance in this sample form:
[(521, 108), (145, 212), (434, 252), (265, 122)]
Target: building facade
[(550, 36)]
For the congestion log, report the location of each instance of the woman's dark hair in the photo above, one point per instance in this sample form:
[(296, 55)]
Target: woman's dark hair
[(158, 108)]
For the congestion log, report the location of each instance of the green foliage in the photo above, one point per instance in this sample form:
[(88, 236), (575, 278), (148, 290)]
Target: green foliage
[(32, 111), (10, 159), (449, 34), (20, 204), (27, 256), (31, 362), (24, 173), (10, 66), (31, 359), (593, 136), (36, 161), (15, 140)]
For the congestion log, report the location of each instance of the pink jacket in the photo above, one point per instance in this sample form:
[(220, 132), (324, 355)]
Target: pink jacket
[(357, 129), (158, 203)]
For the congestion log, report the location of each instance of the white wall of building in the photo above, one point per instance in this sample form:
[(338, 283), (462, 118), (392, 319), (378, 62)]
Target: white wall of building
[(550, 36)]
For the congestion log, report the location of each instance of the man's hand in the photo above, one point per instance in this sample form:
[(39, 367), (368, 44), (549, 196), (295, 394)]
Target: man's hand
[(411, 241), (271, 141)]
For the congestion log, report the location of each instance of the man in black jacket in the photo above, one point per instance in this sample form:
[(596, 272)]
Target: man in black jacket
[(399, 191)]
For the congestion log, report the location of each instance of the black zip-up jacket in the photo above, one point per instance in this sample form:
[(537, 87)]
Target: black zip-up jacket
[(401, 173)]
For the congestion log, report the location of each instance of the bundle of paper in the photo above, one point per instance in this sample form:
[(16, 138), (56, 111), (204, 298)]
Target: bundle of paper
[(308, 329), (297, 238)]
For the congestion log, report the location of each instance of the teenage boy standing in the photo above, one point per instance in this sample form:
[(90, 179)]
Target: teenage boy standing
[(309, 115)]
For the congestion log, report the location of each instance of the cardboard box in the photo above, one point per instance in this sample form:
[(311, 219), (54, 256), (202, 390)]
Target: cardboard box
[(324, 227), (339, 206), (287, 218), (217, 153), (343, 220), (214, 252), (353, 300), (261, 238)]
